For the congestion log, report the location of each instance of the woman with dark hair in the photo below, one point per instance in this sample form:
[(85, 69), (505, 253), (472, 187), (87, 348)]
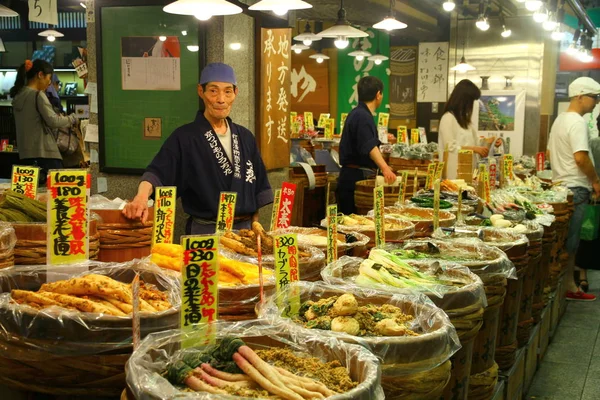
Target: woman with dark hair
[(35, 118), (456, 132)]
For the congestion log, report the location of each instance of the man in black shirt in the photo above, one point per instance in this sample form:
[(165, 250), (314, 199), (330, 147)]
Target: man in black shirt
[(359, 149)]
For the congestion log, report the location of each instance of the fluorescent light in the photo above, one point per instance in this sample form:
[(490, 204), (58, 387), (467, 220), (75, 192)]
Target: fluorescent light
[(390, 24), (235, 46), (449, 5), (83, 5), (199, 8), (341, 42), (482, 23), (193, 48)]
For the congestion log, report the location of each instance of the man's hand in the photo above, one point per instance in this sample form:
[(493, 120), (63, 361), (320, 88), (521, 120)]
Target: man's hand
[(596, 187), (482, 151), (389, 175), (137, 209)]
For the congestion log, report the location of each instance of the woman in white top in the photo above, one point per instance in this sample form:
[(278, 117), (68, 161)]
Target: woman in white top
[(456, 131)]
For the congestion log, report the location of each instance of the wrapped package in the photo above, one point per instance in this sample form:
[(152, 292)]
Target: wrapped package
[(8, 240), (145, 370)]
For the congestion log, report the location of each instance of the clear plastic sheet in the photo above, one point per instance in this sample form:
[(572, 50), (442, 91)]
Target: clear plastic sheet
[(503, 236), (400, 355), (422, 218), (395, 229), (145, 367), (345, 271), (8, 239), (61, 331), (420, 151), (99, 202), (306, 235)]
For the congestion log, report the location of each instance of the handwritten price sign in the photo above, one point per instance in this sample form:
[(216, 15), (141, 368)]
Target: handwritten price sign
[(379, 204), (25, 180), (332, 253), (402, 134), (164, 215), (540, 161), (226, 215), (309, 122), (431, 168), (199, 288), (285, 249), (286, 205), (383, 119), (275, 211), (68, 216)]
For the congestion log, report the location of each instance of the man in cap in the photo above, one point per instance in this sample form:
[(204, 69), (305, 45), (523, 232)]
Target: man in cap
[(206, 157), (573, 166)]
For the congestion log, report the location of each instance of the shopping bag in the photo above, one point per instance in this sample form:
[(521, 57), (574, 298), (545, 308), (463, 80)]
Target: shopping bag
[(591, 222)]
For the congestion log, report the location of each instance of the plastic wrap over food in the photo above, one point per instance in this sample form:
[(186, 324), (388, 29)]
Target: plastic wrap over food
[(317, 237), (395, 229), (8, 239), (70, 332), (504, 239), (480, 258), (458, 283), (425, 339), (422, 218), (145, 369)]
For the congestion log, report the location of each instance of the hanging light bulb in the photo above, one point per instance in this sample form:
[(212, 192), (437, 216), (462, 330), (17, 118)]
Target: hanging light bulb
[(278, 8), (307, 37), (449, 5), (162, 38), (341, 42), (482, 23), (540, 15), (50, 34), (572, 49), (342, 27), (463, 67), (203, 15), (378, 58), (193, 48), (558, 34), (533, 5), (199, 8), (297, 48), (360, 54), (505, 32), (390, 23), (551, 23), (184, 33), (320, 57)]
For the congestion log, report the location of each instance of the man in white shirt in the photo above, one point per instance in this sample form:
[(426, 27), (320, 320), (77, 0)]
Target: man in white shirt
[(572, 165)]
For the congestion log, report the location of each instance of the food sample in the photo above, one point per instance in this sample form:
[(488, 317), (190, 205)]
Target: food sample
[(245, 242), (17, 208), (360, 222), (95, 294), (231, 367), (343, 314), (168, 256), (235, 273)]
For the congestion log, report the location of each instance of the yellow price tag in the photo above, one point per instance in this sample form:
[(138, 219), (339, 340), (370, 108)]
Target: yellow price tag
[(383, 119), (25, 180), (436, 205), (275, 211), (309, 123), (486, 183), (431, 168), (323, 117), (165, 200), (379, 205), (439, 170), (414, 135), (226, 215), (332, 253), (285, 249), (329, 128), (402, 134)]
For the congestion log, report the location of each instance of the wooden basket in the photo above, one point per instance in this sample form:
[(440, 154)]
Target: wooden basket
[(397, 163), (422, 218), (363, 195), (122, 239), (401, 230)]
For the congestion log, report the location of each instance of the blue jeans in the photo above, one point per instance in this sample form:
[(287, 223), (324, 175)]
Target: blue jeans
[(581, 198)]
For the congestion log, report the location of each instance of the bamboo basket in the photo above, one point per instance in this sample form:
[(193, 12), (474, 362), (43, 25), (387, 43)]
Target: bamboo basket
[(122, 239), (363, 196), (399, 231), (422, 218)]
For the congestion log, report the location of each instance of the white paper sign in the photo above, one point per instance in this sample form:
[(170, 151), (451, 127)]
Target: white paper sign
[(44, 11), (91, 133), (89, 12), (432, 73), (92, 90)]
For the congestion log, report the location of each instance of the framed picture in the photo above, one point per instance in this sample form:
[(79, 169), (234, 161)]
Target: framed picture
[(152, 128)]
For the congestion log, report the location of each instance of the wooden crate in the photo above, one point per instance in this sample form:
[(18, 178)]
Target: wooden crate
[(531, 357), (499, 392), (544, 332), (513, 378)]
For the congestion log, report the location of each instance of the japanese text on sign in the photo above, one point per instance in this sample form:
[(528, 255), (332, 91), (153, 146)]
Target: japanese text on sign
[(439, 171), (414, 136), (200, 282), (402, 135), (309, 123), (44, 11), (540, 161), (286, 205), (285, 249), (164, 214), (383, 119), (379, 204), (275, 211), (432, 72), (486, 186), (431, 168), (436, 204), (329, 128), (493, 172), (25, 180), (68, 216), (226, 211), (508, 167), (323, 118), (332, 253)]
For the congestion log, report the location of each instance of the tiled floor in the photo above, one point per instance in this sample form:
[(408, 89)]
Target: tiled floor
[(571, 368)]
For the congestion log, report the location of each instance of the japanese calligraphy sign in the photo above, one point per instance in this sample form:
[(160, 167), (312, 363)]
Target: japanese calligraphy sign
[(68, 216), (199, 286), (25, 180), (275, 211), (275, 97), (323, 118), (44, 11), (540, 161), (378, 206), (439, 170), (432, 73), (431, 168), (436, 205), (286, 205), (343, 117), (164, 215), (402, 135), (285, 249), (310, 85), (414, 136), (226, 213), (309, 123), (329, 128), (493, 172), (332, 253), (383, 119), (480, 178), (508, 167), (486, 186)]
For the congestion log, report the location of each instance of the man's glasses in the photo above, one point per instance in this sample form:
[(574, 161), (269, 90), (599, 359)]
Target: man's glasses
[(593, 96)]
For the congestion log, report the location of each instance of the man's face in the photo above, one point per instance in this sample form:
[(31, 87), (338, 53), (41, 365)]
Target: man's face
[(589, 101), (379, 98), (218, 98)]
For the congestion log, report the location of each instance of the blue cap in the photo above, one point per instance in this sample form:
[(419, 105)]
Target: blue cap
[(218, 72)]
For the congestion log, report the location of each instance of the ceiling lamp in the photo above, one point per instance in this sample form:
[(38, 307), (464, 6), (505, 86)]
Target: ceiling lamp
[(162, 38), (320, 57), (51, 34), (342, 30), (341, 42), (533, 5), (390, 23), (505, 32), (378, 58), (558, 34), (572, 49), (360, 54), (551, 23), (297, 48), (449, 5), (482, 23), (7, 12), (307, 37), (193, 48), (540, 15), (279, 7), (202, 9), (462, 66)]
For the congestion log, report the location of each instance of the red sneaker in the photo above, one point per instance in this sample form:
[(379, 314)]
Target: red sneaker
[(580, 296)]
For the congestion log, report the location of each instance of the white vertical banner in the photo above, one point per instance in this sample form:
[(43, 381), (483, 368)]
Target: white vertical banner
[(432, 72), (44, 11)]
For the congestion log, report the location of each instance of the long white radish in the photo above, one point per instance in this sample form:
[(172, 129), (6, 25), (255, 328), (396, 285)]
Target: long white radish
[(306, 383), (265, 383), (198, 385), (265, 369), (226, 376), (216, 382)]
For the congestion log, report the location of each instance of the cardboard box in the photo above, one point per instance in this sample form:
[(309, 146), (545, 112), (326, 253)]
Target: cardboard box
[(544, 332), (499, 391), (531, 357), (513, 379)]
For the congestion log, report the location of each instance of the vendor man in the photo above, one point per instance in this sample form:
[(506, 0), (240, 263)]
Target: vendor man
[(359, 149), (206, 157)]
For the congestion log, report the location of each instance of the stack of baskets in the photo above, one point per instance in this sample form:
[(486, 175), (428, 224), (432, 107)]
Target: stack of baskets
[(122, 239)]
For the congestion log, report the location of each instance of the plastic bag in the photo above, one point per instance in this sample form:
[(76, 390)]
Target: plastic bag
[(502, 238), (99, 202), (306, 237), (145, 367), (400, 355), (61, 331), (422, 218), (395, 229), (591, 222), (8, 239)]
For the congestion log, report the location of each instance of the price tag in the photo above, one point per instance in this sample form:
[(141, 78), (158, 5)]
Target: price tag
[(431, 168), (459, 215), (81, 69), (44, 11), (25, 180), (332, 253), (9, 148), (404, 186), (135, 314), (165, 200), (439, 170), (480, 180), (309, 123), (199, 288), (508, 167), (226, 215), (323, 117), (414, 136), (379, 205), (493, 172), (416, 182), (329, 128), (293, 118), (285, 249), (275, 211), (422, 135), (486, 187), (383, 119), (540, 161), (68, 216), (402, 134), (343, 117), (436, 205), (286, 206)]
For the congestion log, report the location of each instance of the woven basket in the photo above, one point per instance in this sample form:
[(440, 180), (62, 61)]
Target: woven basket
[(422, 218), (121, 239), (363, 196)]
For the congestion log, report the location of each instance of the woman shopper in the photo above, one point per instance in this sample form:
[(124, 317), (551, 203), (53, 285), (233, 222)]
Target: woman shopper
[(456, 131), (35, 118)]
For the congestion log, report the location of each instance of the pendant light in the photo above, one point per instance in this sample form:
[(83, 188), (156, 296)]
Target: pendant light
[(297, 48), (280, 7), (572, 49), (463, 67), (482, 22), (449, 5), (342, 30), (505, 31), (202, 9), (390, 23), (533, 5), (307, 37), (360, 54), (50, 34), (7, 12), (378, 58), (320, 57)]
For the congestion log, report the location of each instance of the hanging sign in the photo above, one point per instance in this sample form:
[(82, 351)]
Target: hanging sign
[(200, 287), (275, 211), (226, 215), (383, 119), (379, 205), (432, 72), (25, 180), (68, 216), (44, 11), (540, 161), (165, 199), (286, 205), (332, 253), (285, 249)]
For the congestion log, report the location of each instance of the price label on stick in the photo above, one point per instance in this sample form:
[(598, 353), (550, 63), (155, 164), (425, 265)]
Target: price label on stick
[(199, 289), (436, 205), (416, 182), (379, 205), (165, 199), (309, 123), (286, 206), (383, 119), (68, 216), (414, 136), (25, 180), (402, 134), (323, 117), (404, 186), (493, 175), (540, 161), (431, 168), (226, 215), (439, 170), (285, 249), (332, 253), (275, 211)]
